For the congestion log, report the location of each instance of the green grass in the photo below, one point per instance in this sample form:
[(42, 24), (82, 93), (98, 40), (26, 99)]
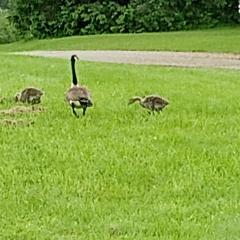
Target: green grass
[(119, 173), (214, 40)]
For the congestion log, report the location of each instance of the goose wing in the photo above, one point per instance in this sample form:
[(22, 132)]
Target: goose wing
[(159, 103), (29, 94), (155, 102), (148, 102), (79, 95), (32, 92)]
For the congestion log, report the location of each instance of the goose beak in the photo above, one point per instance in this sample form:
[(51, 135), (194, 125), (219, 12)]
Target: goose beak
[(74, 57)]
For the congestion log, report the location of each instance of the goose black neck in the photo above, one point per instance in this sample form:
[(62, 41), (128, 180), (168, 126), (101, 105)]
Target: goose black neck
[(74, 77)]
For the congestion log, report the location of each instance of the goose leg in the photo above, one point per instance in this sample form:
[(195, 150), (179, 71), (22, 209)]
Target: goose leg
[(84, 111), (73, 109)]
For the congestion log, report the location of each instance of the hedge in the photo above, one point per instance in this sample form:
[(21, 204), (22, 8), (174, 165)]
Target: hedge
[(50, 18)]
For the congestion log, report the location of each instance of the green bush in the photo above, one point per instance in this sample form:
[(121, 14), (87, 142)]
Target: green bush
[(3, 4), (7, 30), (50, 18), (164, 15)]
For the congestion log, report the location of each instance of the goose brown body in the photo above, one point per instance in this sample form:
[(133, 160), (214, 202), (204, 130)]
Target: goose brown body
[(29, 95), (78, 96), (151, 102)]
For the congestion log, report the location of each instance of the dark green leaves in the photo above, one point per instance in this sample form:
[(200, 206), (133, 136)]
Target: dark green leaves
[(52, 18)]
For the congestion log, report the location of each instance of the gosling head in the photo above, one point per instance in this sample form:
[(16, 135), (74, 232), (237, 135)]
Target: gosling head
[(134, 99), (17, 97)]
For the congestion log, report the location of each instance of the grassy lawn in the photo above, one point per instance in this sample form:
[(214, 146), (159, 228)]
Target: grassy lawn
[(119, 173), (213, 40)]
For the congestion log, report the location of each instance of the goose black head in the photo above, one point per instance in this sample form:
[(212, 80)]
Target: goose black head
[(74, 58)]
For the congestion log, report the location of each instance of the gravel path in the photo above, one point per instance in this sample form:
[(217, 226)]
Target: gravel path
[(180, 59)]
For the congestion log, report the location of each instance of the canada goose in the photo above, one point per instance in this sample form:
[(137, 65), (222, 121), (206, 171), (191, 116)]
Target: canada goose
[(77, 96), (151, 102), (29, 95)]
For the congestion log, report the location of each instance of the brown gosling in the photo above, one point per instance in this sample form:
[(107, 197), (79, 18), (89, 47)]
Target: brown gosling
[(78, 96), (29, 95), (151, 102)]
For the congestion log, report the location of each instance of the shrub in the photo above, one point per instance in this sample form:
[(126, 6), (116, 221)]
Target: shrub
[(7, 30), (50, 18)]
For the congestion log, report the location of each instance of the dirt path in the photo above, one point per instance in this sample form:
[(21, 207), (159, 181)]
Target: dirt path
[(180, 59)]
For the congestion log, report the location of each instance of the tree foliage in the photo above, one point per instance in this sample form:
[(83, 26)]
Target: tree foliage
[(7, 30), (3, 4), (50, 18)]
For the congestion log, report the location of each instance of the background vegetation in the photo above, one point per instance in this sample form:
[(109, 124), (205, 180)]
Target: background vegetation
[(3, 4), (52, 18), (8, 33)]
